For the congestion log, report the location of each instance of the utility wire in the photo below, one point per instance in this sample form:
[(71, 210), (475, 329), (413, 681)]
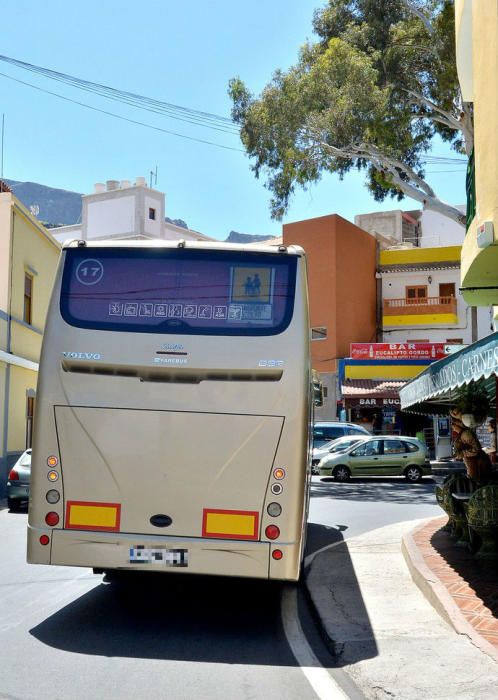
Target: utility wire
[(205, 119), (119, 116)]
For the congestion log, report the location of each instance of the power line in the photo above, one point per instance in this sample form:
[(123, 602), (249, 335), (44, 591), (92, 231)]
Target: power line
[(205, 119), (119, 116)]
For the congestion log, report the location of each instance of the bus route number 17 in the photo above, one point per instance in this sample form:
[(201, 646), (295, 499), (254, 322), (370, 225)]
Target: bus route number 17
[(89, 271)]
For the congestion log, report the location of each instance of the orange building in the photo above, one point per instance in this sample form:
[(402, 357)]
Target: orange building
[(342, 288)]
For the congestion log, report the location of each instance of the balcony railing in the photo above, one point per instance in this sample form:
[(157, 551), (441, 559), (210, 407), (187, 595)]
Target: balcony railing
[(424, 305)]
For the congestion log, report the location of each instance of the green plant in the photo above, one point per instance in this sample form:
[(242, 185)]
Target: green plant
[(472, 399)]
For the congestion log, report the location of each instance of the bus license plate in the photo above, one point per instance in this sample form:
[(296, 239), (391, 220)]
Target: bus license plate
[(158, 555)]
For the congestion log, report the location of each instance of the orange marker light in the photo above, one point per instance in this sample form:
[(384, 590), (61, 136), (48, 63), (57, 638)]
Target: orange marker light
[(52, 476), (279, 473), (52, 461)]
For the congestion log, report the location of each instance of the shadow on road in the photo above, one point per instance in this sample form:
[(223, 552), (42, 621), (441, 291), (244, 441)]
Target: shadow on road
[(336, 599), (389, 490), (185, 618)]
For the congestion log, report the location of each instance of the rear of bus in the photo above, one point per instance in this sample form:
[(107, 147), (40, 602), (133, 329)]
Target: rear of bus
[(173, 411)]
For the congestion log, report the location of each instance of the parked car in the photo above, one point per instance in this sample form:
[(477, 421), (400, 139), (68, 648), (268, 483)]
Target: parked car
[(325, 431), (339, 445), (379, 456), (18, 481)]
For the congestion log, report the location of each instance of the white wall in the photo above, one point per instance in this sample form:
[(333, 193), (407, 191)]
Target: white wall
[(393, 287), (437, 230), (111, 217)]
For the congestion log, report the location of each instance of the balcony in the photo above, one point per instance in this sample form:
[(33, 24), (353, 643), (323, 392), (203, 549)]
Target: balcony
[(421, 311)]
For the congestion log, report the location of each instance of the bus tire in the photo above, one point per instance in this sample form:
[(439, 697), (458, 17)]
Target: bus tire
[(341, 473)]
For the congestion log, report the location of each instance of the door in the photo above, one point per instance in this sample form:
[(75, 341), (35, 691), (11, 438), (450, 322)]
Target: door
[(416, 294), (170, 463), (364, 460), (395, 457)]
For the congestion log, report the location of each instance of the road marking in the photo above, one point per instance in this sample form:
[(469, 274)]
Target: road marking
[(317, 676)]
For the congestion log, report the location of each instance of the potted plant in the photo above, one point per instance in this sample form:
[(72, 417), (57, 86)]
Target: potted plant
[(473, 404)]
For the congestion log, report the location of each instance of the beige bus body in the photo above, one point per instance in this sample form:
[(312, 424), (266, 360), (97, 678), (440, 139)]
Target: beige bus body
[(166, 445)]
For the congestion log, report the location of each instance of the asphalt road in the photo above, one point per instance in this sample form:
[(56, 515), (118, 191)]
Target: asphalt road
[(66, 634)]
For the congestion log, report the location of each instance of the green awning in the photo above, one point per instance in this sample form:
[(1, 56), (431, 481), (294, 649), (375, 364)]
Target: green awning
[(435, 389)]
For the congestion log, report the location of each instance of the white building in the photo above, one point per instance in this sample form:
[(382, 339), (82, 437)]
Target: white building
[(122, 210)]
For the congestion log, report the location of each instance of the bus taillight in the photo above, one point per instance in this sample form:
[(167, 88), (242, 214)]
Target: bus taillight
[(272, 532), (51, 518)]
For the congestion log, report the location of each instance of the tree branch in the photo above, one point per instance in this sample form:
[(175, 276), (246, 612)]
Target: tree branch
[(418, 13), (399, 174)]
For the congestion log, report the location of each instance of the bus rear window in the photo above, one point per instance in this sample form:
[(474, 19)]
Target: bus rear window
[(163, 290)]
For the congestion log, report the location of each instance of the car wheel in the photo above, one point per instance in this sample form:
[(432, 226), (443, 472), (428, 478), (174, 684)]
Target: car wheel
[(341, 473), (413, 473), (13, 505)]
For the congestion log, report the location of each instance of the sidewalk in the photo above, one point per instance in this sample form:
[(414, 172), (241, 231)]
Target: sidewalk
[(384, 631)]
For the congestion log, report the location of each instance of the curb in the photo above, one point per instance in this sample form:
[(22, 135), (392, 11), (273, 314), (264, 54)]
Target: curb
[(437, 594)]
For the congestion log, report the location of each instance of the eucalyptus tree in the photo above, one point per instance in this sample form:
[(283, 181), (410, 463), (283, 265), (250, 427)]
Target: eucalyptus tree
[(370, 94)]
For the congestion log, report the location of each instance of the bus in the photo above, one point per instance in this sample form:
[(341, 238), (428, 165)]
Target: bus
[(174, 404)]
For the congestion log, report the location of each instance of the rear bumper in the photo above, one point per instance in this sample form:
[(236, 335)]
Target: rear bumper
[(110, 550), (17, 491)]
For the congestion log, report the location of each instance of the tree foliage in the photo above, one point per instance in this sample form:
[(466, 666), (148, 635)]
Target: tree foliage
[(370, 94)]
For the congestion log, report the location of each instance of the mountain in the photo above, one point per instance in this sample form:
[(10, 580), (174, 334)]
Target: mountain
[(236, 237), (49, 204), (55, 207)]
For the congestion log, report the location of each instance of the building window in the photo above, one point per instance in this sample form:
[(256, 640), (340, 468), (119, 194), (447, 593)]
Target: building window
[(152, 214), (30, 412), (415, 295), (454, 341), (28, 298), (319, 333)]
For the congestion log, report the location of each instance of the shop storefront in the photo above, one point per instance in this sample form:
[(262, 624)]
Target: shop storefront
[(439, 386), (371, 381), (443, 384)]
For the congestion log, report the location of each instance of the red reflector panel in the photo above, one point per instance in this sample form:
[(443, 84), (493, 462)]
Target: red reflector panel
[(277, 554), (87, 515), (52, 519), (44, 539), (272, 532), (230, 524), (13, 475)]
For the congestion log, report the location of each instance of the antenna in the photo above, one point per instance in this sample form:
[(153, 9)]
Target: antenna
[(153, 176)]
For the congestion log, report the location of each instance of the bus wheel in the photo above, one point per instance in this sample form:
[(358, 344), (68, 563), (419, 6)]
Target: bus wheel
[(341, 473)]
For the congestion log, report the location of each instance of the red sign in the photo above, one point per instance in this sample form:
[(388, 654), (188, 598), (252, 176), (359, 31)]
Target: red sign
[(399, 351)]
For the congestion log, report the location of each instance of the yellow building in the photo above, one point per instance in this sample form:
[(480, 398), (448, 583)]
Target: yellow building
[(28, 259), (477, 63)]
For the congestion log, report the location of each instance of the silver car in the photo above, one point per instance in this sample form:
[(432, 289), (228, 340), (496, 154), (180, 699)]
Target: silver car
[(18, 481)]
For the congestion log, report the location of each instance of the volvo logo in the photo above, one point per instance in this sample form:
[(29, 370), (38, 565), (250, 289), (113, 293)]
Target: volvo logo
[(82, 355)]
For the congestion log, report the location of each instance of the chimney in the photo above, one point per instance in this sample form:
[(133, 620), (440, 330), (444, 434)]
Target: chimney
[(112, 185), (125, 184), (98, 188), (140, 182)]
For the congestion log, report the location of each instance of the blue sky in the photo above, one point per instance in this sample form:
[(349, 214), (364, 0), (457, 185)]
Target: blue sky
[(180, 51)]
